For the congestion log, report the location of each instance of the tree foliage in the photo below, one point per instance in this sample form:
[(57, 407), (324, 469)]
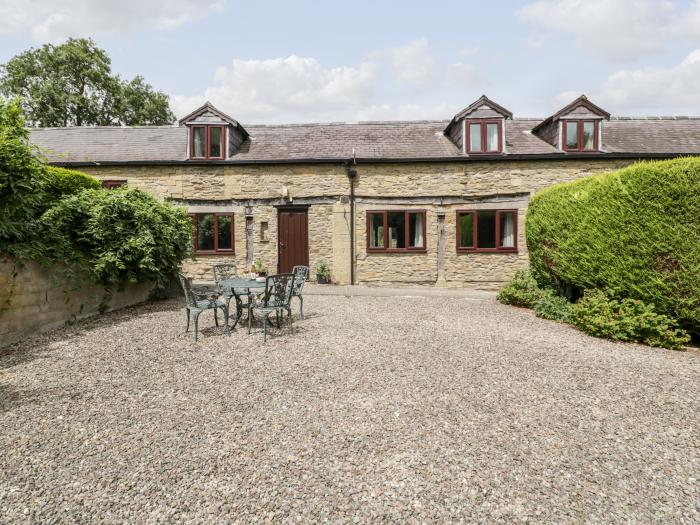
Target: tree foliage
[(22, 176), (54, 215), (634, 232), (72, 84), (118, 236)]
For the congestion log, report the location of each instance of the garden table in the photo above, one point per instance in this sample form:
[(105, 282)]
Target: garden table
[(250, 286), (242, 283)]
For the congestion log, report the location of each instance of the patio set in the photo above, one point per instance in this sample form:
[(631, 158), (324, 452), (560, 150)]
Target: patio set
[(252, 296)]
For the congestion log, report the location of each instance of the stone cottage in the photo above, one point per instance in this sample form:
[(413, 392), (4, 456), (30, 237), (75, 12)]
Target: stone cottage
[(388, 203)]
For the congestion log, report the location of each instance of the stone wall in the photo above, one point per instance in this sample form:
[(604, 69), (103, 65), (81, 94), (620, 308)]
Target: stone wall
[(31, 301), (438, 188)]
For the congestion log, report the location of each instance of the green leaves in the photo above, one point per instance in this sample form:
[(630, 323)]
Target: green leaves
[(22, 177), (552, 306), (634, 232), (627, 320), (521, 291), (119, 236), (72, 84), (54, 215)]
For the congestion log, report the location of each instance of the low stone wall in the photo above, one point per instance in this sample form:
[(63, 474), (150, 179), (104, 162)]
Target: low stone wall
[(32, 300)]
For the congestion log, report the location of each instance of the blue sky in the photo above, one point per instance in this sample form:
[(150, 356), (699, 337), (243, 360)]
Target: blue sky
[(306, 60)]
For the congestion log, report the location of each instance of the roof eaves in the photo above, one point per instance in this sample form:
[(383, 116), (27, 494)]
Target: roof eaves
[(385, 160)]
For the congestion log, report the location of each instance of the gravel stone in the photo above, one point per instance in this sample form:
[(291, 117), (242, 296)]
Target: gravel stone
[(379, 409)]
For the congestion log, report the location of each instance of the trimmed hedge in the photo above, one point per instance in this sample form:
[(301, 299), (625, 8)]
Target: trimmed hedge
[(61, 182), (634, 232)]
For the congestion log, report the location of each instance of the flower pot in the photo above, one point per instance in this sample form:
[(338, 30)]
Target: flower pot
[(321, 279)]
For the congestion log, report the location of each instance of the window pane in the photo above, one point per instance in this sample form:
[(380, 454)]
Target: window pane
[(507, 229), (474, 137), (224, 233), (571, 135), (215, 142), (416, 230), (588, 135), (492, 137), (205, 231), (396, 227), (466, 230), (486, 229), (199, 140), (376, 230)]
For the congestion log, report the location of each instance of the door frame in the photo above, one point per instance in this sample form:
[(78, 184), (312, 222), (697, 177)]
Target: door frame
[(291, 208)]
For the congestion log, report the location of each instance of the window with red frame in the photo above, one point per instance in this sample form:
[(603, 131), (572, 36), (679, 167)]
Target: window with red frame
[(396, 231), (207, 142), (580, 135), (484, 136), (213, 232), (487, 231), (113, 184)]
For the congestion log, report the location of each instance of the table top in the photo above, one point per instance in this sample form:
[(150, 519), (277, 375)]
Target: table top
[(241, 282)]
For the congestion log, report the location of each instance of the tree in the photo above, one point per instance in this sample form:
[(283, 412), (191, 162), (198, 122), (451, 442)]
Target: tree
[(72, 84)]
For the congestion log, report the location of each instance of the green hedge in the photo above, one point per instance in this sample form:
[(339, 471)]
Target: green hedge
[(634, 232), (61, 182)]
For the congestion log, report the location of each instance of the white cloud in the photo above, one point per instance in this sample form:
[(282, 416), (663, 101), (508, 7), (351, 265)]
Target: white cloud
[(50, 21), (651, 91), (414, 63), (617, 30), (285, 89), (298, 89)]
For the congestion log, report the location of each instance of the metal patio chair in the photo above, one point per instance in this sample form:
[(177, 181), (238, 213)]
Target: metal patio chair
[(197, 302), (276, 299), (301, 274)]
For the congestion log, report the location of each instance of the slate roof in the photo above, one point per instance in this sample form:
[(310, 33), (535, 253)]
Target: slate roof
[(401, 141)]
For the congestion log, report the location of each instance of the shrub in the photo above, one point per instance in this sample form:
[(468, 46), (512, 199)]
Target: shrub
[(22, 178), (61, 182), (118, 236), (635, 232), (521, 291), (553, 306), (627, 320)]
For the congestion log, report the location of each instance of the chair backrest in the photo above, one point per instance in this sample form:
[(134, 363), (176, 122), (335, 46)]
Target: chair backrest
[(190, 297), (301, 274), (278, 289), (224, 271)]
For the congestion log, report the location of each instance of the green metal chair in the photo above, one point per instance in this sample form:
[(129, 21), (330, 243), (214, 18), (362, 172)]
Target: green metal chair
[(276, 299), (197, 302), (301, 274)]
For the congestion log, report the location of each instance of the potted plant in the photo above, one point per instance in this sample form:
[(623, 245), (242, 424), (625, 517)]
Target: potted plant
[(323, 272), (259, 267)]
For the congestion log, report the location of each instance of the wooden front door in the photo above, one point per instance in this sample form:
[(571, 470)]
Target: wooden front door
[(292, 239)]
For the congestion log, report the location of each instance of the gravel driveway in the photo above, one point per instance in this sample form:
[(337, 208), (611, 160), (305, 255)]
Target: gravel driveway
[(389, 409)]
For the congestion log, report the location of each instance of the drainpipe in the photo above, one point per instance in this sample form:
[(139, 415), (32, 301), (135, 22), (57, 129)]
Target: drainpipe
[(352, 174)]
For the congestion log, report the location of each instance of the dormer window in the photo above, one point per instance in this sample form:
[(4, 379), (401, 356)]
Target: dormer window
[(479, 128), (207, 142), (212, 134), (580, 135), (577, 127), (484, 136)]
